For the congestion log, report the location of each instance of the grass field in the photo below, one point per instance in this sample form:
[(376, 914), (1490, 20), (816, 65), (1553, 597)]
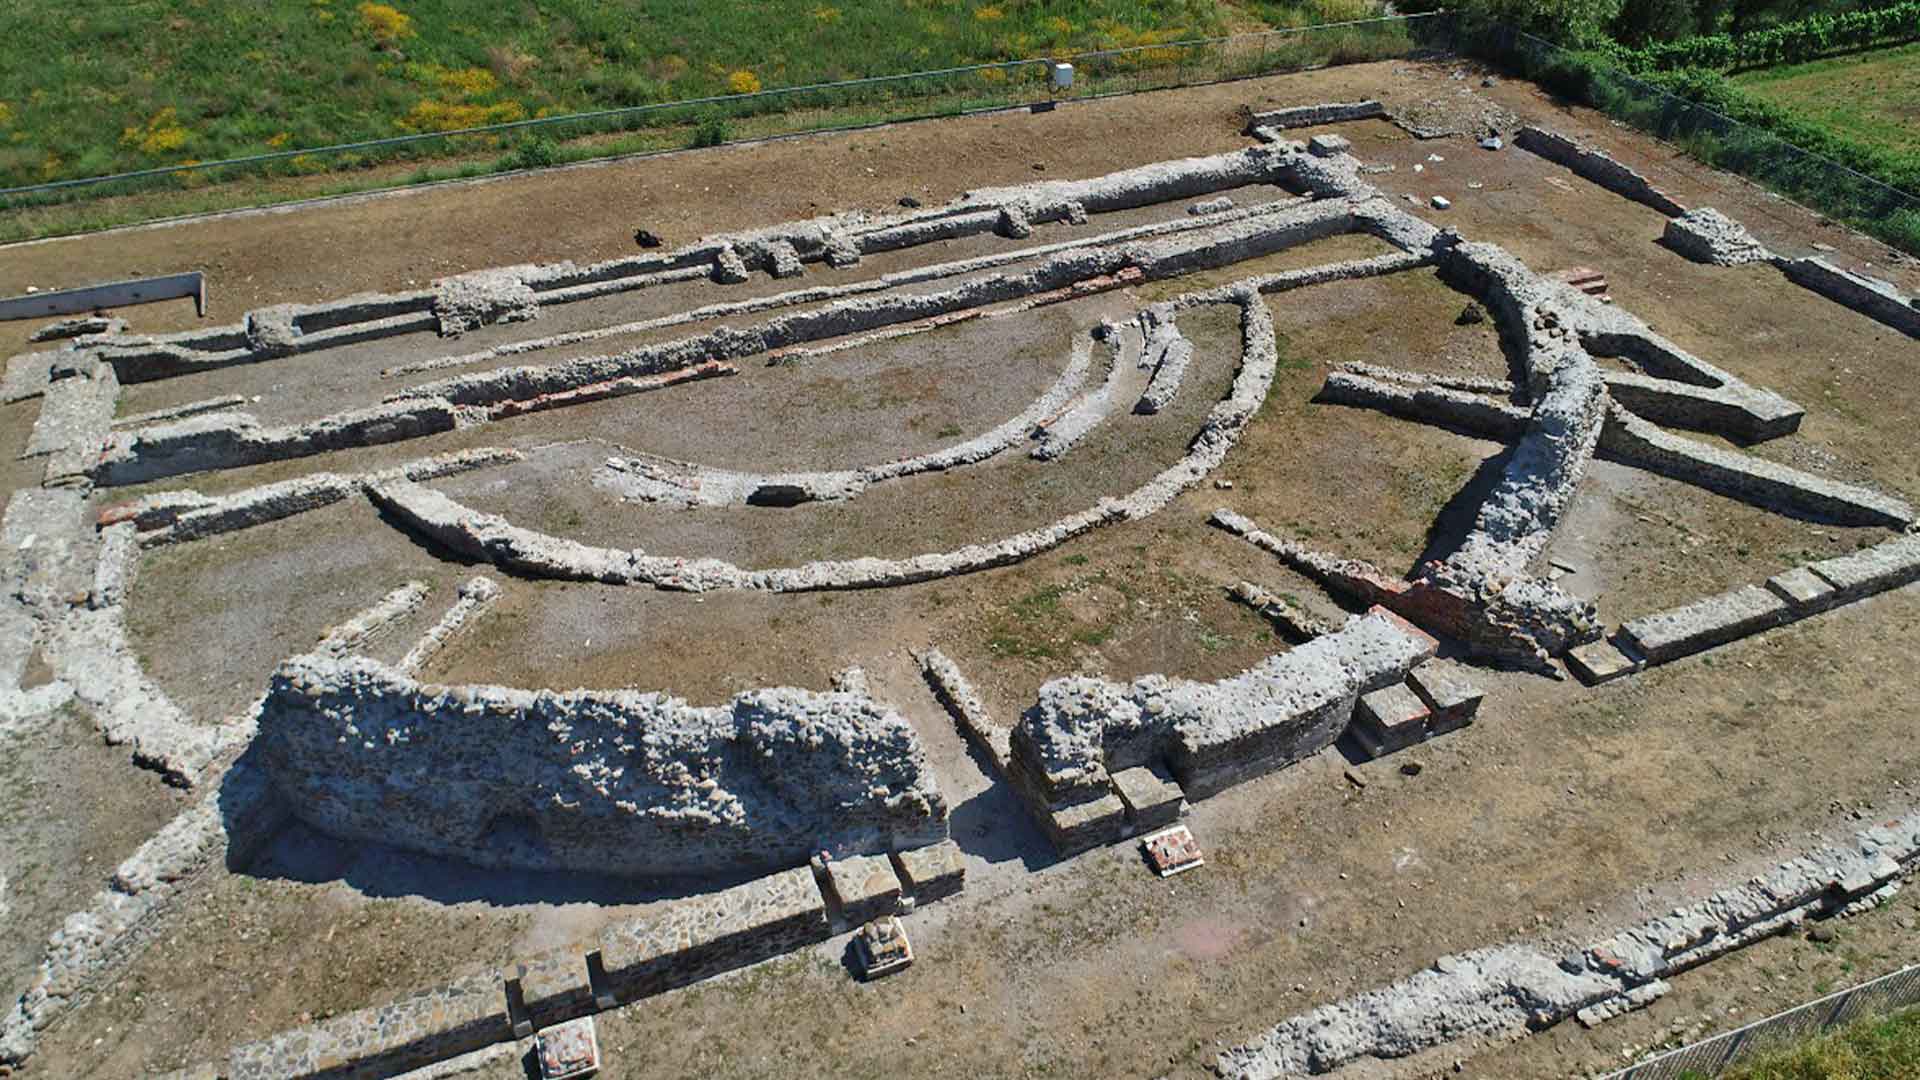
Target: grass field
[(1871, 97), (1887, 1048), (92, 86)]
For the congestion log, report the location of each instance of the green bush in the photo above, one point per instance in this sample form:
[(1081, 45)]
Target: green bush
[(712, 132), (538, 152), (1811, 37)]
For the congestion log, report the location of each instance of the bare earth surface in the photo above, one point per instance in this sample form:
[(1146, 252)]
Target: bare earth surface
[(1563, 813)]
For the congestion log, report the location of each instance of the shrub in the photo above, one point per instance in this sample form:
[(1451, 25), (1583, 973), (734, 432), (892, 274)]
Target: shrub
[(385, 24), (1811, 37), (712, 132), (743, 82), (538, 152), (160, 134)]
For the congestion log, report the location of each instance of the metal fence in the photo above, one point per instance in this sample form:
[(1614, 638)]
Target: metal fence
[(796, 109), (1712, 137), (1713, 1056)]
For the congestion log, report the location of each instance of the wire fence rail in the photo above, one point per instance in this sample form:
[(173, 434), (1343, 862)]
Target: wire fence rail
[(956, 89), (1711, 1057)]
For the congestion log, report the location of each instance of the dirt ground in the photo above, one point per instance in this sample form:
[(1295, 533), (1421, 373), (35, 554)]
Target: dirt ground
[(1562, 814)]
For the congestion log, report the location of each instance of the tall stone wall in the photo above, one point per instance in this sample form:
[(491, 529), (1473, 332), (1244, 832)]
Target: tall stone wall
[(616, 782)]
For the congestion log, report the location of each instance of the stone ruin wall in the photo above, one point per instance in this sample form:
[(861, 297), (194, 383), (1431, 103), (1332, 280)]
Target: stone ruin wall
[(1210, 736), (614, 782)]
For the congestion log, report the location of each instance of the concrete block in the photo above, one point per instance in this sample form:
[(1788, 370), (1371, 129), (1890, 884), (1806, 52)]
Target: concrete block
[(1704, 624), (932, 872), (1329, 145), (1151, 797), (1452, 697), (863, 887), (554, 986), (1389, 719), (1871, 570), (1599, 661), (1082, 826), (1804, 591)]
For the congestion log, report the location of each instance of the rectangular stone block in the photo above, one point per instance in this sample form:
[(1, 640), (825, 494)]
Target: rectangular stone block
[(678, 942), (554, 986), (1804, 591), (1884, 566), (932, 872), (1078, 827), (1391, 718), (1150, 796), (1704, 624), (1328, 145), (863, 887), (1451, 696), (1598, 661)]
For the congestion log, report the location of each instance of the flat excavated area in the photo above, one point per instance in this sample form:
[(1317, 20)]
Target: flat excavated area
[(511, 665)]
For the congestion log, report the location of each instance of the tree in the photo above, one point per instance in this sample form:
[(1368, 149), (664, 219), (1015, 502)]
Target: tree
[(1576, 23), (1643, 21)]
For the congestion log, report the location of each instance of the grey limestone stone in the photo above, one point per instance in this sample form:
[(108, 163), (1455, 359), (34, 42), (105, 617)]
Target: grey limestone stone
[(468, 301), (1705, 235), (1886, 565), (861, 888), (1868, 295), (931, 873), (1332, 112), (1704, 624), (615, 782), (1329, 145), (1389, 719), (1151, 797), (1596, 166), (1211, 735), (1600, 661), (678, 942), (1803, 589), (1445, 688)]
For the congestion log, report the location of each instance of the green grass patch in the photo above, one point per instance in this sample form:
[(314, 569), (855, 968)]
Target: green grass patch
[(1871, 97), (107, 89), (1884, 1048)]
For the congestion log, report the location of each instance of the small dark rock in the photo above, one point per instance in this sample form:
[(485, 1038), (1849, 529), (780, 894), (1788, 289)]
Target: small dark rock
[(1411, 768), (1823, 934), (1039, 166), (1471, 314), (646, 239), (909, 202)]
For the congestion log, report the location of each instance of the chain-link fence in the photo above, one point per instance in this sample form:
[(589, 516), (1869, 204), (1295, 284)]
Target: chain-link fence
[(1826, 185), (735, 117), (1713, 1056)]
